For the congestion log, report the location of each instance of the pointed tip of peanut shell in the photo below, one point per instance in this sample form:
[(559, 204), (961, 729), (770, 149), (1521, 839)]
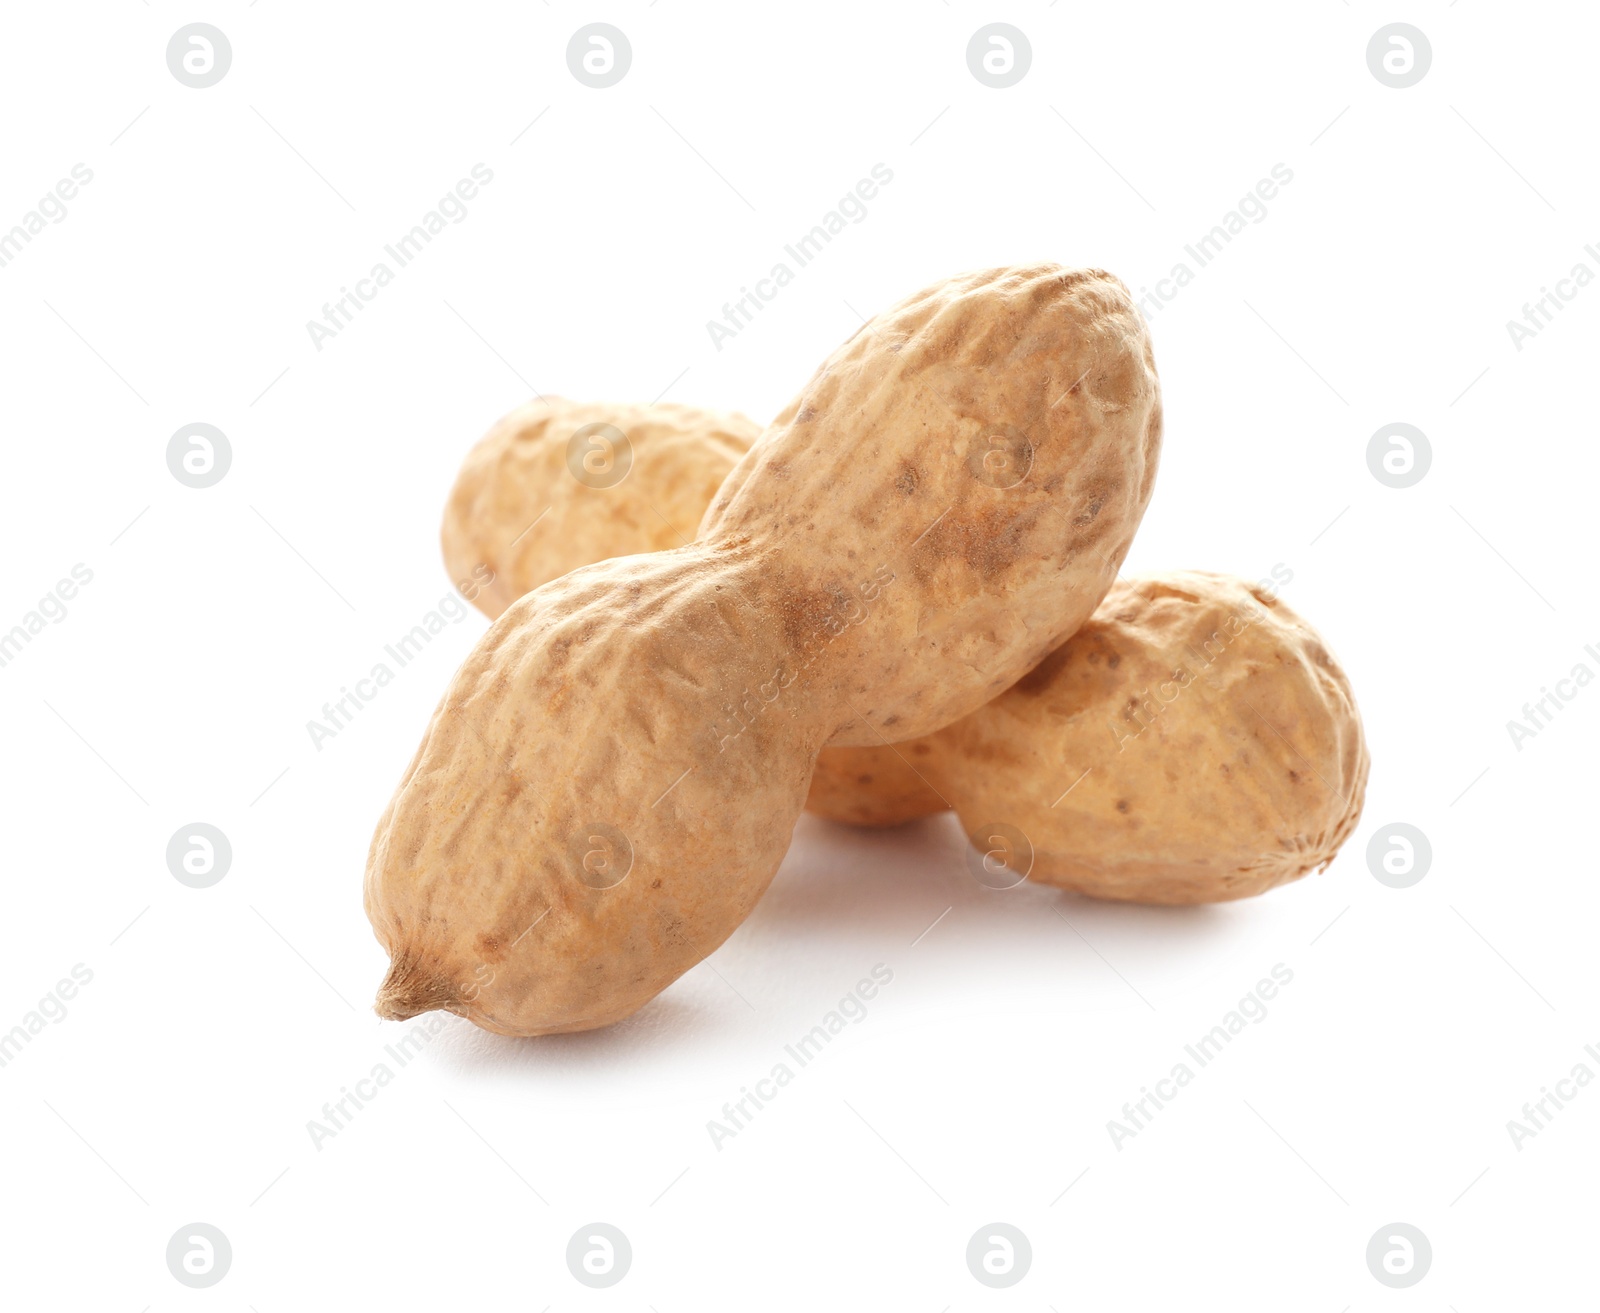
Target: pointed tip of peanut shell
[(408, 991)]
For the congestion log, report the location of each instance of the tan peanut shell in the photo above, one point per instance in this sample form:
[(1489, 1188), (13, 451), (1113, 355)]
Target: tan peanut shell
[(613, 776), (520, 514), (1194, 742), (885, 785), (557, 484), (875, 786)]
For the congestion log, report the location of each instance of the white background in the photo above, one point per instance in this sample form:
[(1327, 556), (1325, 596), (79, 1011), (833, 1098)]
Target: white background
[(979, 1086)]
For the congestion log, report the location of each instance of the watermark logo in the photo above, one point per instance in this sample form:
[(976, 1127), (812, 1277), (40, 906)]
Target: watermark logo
[(1399, 55), (1399, 855), (51, 609), (451, 208), (341, 712), (1399, 1255), (1538, 1114), (601, 855), (199, 55), (999, 1255), (1399, 455), (1151, 701), (199, 855), (199, 455), (1000, 458), (1250, 209), (51, 1009), (1539, 315), (1251, 1010), (1541, 713), (51, 206), (599, 1255), (851, 208), (851, 1010), (999, 855), (599, 55), (999, 55), (848, 609), (599, 455), (338, 1114), (199, 1255)]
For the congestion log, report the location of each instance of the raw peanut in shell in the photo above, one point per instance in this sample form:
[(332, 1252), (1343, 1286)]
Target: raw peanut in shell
[(557, 484), (886, 785), (613, 776), (521, 515), (875, 787), (1195, 742)]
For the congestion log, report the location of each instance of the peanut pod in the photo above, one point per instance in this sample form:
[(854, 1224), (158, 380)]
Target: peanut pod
[(949, 497)]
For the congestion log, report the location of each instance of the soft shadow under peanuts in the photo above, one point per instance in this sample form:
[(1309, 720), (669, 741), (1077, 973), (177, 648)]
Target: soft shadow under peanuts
[(869, 893), (669, 1024)]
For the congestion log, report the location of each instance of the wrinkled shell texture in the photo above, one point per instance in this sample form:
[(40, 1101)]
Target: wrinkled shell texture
[(1195, 742), (517, 475), (949, 497), (519, 509), (1001, 433), (575, 742)]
